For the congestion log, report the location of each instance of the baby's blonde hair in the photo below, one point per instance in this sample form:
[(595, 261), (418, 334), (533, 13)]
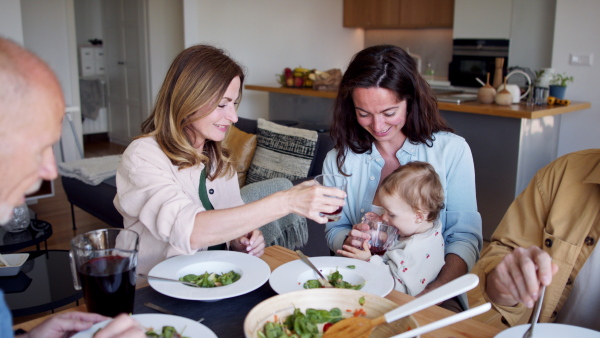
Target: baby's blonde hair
[(417, 184)]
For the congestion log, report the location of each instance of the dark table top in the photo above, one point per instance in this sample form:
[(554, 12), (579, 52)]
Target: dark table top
[(43, 284), (37, 232), (224, 317)]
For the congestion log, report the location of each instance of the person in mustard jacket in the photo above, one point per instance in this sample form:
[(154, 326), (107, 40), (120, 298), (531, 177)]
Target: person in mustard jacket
[(548, 237)]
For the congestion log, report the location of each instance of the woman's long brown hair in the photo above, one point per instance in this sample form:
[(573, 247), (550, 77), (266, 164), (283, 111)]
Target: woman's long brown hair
[(193, 86), (390, 67)]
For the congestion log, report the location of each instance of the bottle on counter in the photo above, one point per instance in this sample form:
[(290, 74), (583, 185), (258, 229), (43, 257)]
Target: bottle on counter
[(429, 74)]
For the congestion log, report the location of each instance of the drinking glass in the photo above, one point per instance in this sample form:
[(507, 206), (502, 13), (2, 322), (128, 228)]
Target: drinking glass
[(103, 264), (335, 181), (382, 236)]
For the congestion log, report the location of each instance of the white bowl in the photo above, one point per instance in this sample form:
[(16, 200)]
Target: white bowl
[(16, 262), (325, 299)]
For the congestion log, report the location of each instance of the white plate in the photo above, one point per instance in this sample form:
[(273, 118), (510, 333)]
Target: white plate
[(291, 276), (156, 321), (254, 273), (549, 330)]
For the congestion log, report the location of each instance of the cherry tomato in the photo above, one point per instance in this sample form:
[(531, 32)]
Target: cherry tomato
[(326, 327)]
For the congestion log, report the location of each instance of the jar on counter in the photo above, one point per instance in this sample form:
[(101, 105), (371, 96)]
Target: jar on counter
[(544, 77)]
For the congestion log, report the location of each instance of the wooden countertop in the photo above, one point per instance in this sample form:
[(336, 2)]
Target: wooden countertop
[(517, 110)]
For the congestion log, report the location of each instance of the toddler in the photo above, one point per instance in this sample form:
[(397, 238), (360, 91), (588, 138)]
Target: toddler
[(412, 198)]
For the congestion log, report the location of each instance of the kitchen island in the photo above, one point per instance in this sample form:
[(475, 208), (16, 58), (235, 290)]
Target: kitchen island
[(509, 143)]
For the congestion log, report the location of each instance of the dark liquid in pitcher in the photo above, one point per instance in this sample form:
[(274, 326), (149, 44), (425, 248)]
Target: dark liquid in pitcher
[(108, 285)]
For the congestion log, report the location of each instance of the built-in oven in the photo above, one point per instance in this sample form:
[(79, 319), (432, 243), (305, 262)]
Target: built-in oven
[(474, 58)]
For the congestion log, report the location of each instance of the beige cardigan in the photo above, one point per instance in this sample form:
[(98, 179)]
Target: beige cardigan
[(160, 202)]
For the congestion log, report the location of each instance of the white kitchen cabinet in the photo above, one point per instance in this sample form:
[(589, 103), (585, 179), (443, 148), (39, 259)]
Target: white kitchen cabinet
[(91, 61), (482, 19)]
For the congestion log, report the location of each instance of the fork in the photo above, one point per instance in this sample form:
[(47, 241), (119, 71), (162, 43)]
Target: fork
[(536, 313)]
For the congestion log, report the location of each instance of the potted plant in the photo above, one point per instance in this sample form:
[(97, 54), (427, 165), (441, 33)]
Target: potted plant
[(558, 85)]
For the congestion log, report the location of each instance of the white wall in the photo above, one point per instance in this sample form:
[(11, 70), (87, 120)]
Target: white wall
[(576, 31), (266, 36), (165, 36), (432, 45), (88, 21), (10, 20), (531, 33), (54, 41)]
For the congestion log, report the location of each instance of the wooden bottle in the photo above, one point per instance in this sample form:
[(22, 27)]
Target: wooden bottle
[(487, 93), (498, 75), (504, 97)]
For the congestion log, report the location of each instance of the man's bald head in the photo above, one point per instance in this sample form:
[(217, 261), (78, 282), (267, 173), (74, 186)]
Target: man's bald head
[(31, 112)]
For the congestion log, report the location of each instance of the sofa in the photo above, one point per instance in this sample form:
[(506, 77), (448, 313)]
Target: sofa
[(98, 200)]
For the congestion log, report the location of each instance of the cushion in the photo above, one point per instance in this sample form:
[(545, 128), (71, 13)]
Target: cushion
[(242, 146), (281, 152)]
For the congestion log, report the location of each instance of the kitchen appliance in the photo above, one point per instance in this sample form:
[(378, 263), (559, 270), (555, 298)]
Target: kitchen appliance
[(474, 58)]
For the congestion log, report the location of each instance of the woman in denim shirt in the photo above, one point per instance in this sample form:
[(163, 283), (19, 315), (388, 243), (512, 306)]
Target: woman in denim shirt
[(386, 115)]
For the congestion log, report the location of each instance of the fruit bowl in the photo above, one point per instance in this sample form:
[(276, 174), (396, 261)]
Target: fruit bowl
[(347, 301)]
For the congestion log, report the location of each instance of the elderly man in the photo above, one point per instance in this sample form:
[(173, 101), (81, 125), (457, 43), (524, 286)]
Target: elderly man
[(548, 237), (31, 113)]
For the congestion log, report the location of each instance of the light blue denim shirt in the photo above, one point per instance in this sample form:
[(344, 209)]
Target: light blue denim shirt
[(5, 318), (451, 157)]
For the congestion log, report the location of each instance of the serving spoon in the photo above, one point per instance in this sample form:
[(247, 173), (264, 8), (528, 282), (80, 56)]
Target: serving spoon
[(362, 327), (168, 279)]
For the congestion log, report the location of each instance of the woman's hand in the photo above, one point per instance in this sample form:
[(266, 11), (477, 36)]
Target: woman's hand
[(68, 323), (352, 252), (252, 243), (309, 199), (357, 235)]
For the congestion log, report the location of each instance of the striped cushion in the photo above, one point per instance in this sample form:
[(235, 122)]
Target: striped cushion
[(281, 152)]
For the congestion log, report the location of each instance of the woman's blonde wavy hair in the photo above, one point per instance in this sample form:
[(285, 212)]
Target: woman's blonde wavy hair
[(192, 89)]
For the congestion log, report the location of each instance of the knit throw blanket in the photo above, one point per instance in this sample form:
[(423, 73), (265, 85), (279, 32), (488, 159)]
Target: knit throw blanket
[(91, 170), (290, 231)]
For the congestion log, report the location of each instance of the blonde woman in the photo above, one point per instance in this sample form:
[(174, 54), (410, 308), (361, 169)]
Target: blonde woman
[(176, 185)]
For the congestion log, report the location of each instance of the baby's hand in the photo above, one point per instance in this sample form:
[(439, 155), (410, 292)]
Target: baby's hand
[(352, 252)]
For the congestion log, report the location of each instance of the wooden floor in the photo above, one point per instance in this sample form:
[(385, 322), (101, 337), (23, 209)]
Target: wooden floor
[(57, 211)]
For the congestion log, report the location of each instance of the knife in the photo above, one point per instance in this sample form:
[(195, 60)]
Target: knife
[(322, 278)]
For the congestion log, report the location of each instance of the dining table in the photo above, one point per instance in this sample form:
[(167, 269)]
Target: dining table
[(226, 317)]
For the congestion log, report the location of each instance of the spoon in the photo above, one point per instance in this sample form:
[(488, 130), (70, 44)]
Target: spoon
[(536, 313), (324, 282), (361, 326), (168, 279), (3, 261)]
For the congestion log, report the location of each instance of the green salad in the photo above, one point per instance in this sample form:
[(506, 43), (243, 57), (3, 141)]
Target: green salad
[(300, 325), (211, 280), (335, 279), (166, 332)]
